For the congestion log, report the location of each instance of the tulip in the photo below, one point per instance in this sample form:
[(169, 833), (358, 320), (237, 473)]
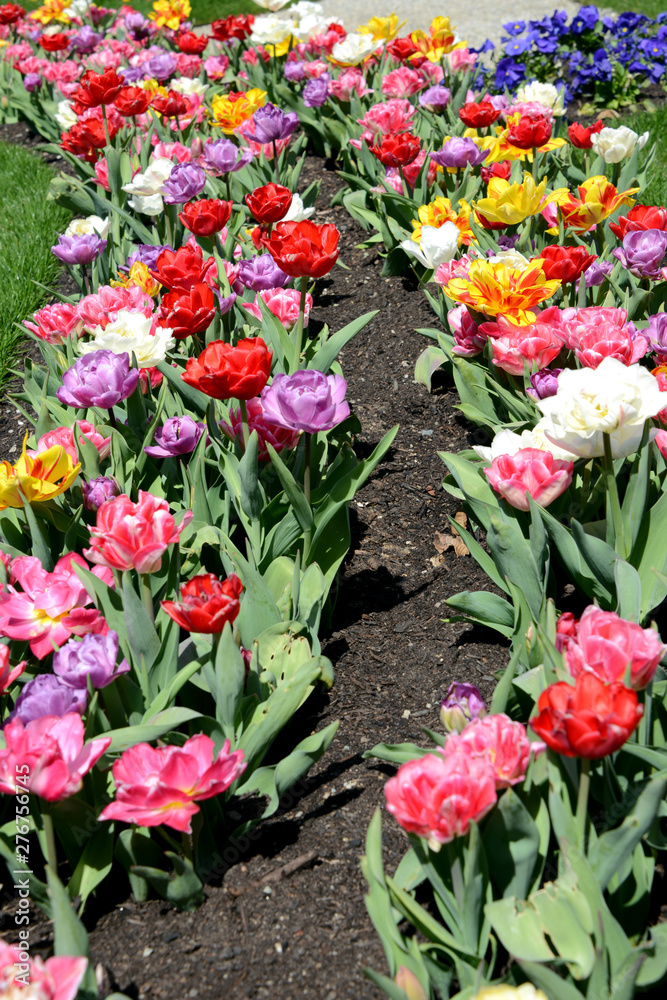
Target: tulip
[(64, 437), (580, 136), (406, 980), (598, 198), (102, 379), (57, 978), (528, 131), (566, 263), (184, 183), (79, 250), (187, 313), (479, 115), (550, 97), (306, 401), (437, 797), (222, 156), (98, 88), (529, 472), (397, 149), (268, 204), (524, 992), (272, 124), (177, 436), (47, 695), (226, 372), (206, 604), (640, 217), (656, 336), (508, 204), (162, 786), (316, 91), (98, 491), (535, 344), (268, 432), (499, 289), (643, 252), (435, 98), (162, 65), (8, 674), (284, 303), (131, 333), (458, 153), (132, 101), (182, 268), (544, 383), (170, 105), (51, 752), (133, 535), (303, 249), (37, 479), (55, 322), (596, 333), (233, 109), (589, 719), (436, 246), (261, 273), (500, 741), (461, 704), (92, 659), (614, 144), (606, 645), (468, 341), (206, 217)]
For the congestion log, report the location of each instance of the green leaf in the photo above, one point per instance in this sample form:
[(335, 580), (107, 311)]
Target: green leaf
[(485, 607), (69, 934), (512, 843), (182, 887), (94, 864), (300, 506), (614, 846), (396, 753), (428, 363), (139, 628), (155, 727)]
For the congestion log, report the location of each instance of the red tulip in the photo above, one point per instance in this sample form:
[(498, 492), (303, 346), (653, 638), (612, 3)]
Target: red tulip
[(206, 217), (181, 269), (640, 217), (397, 149), (187, 313), (226, 372), (402, 48), (303, 249), (588, 719), (10, 12), (97, 88), (580, 136), (566, 263), (170, 105), (132, 101), (502, 169), (86, 137), (206, 604), (529, 132), (54, 43), (190, 43), (268, 204), (480, 115), (235, 26)]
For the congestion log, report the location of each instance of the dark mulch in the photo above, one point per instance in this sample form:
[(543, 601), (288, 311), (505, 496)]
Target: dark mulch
[(266, 932)]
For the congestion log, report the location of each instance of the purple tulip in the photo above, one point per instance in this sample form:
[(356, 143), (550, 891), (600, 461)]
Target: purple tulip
[(32, 81), (177, 436), (86, 40), (92, 657), (596, 273), (162, 65), (261, 273), (316, 91), (79, 249), (224, 157), (46, 694), (131, 74), (294, 71), (306, 401), (146, 254), (137, 26), (643, 252), (184, 183), (544, 383), (458, 153), (656, 335), (271, 124), (461, 704), (101, 378), (97, 491), (435, 98)]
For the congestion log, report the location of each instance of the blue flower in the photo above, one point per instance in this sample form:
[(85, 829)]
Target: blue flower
[(586, 19), (517, 47), (509, 73), (515, 28), (546, 45), (488, 46)]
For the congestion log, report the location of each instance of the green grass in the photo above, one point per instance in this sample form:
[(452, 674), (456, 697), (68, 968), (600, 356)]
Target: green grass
[(655, 123), (29, 225), (649, 7), (203, 11)]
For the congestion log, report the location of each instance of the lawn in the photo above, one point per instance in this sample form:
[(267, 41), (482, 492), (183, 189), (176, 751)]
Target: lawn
[(649, 7), (655, 122), (29, 224), (203, 11)]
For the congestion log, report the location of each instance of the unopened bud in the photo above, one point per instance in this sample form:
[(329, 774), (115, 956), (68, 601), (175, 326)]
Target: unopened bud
[(461, 704), (408, 982)]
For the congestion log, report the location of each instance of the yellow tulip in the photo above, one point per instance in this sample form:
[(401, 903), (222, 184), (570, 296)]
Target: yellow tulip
[(170, 13), (52, 10), (511, 203), (598, 198), (440, 211), (381, 28), (139, 276), (524, 992), (37, 479), (231, 110), (496, 288)]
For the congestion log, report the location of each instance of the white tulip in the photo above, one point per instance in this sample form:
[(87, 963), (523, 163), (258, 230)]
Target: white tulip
[(542, 93), (191, 88), (130, 333), (612, 399), (354, 49), (272, 5), (65, 115), (508, 443), (310, 26), (512, 258), (86, 227), (614, 144), (296, 212), (304, 8), (271, 30), (438, 245), (147, 204), (152, 180)]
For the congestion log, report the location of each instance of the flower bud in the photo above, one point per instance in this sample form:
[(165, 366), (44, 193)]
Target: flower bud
[(461, 704), (406, 980), (98, 491)]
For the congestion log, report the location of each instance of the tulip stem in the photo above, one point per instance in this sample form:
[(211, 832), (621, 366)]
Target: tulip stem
[(245, 423), (404, 183), (43, 816), (535, 156), (147, 595), (306, 489), (298, 336), (582, 801), (112, 417), (620, 542), (275, 161)]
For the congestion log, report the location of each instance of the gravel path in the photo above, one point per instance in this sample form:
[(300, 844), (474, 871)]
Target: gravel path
[(474, 21)]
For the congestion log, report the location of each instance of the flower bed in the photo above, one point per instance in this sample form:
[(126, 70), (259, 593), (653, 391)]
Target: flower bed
[(248, 504)]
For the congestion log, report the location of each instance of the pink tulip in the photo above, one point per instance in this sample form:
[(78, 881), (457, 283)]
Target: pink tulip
[(134, 535), (402, 82), (283, 303), (595, 333), (535, 345), (661, 437), (350, 81), (51, 607), (500, 741), (606, 644), (102, 174), (268, 432), (394, 115), (50, 754), (156, 786), (529, 472), (55, 323), (57, 978), (64, 436), (437, 797), (7, 674), (103, 306), (468, 341), (454, 269)]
